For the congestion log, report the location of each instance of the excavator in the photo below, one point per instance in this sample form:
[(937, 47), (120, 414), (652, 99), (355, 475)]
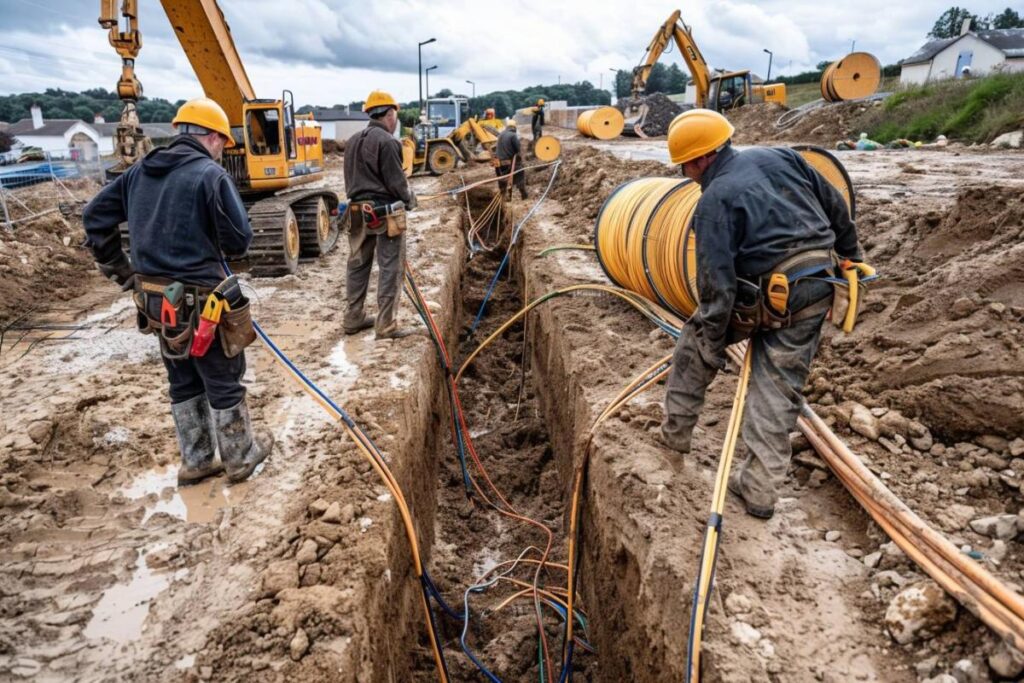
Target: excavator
[(717, 91), (276, 151), (446, 137)]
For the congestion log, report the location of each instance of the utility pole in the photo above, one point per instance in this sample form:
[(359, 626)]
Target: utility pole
[(419, 72), (769, 76), (853, 44), (427, 73)]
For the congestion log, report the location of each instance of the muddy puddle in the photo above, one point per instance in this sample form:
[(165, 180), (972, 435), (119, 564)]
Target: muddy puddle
[(194, 504)]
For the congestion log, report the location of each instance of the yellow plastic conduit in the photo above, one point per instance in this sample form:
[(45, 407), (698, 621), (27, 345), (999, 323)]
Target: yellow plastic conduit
[(603, 123)]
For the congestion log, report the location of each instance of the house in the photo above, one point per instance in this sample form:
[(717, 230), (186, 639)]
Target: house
[(61, 138), (971, 53), (159, 133), (340, 124)]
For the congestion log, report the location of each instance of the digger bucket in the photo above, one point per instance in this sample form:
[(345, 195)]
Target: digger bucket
[(635, 118)]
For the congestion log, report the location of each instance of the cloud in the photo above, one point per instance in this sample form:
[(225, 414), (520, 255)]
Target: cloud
[(335, 51)]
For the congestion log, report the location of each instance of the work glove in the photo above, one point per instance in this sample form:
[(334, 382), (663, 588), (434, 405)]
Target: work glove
[(412, 203), (119, 271)]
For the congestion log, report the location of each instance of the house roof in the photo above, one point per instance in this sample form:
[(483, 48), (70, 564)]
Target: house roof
[(50, 127), (153, 130), (1009, 40)]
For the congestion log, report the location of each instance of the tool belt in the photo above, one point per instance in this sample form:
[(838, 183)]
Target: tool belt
[(376, 218), (175, 323), (763, 305)]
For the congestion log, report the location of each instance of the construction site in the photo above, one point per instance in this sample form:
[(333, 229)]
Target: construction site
[(490, 497)]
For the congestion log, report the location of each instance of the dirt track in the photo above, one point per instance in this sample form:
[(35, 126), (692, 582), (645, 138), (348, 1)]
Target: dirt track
[(109, 573)]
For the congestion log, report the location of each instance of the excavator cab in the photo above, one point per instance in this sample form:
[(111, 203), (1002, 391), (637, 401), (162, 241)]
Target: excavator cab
[(731, 90), (278, 149), (448, 113)]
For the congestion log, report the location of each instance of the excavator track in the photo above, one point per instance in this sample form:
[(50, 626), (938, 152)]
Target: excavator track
[(277, 230), (318, 229)]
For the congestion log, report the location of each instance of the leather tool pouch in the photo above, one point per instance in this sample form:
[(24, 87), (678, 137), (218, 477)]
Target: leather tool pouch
[(396, 223), (175, 341), (747, 311), (236, 329)]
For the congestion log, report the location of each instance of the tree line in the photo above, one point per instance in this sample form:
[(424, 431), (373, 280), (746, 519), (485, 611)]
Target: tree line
[(949, 23), (62, 104)]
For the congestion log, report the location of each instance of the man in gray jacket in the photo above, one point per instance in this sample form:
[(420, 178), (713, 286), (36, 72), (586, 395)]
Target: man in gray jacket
[(374, 183), (762, 211), (509, 154)]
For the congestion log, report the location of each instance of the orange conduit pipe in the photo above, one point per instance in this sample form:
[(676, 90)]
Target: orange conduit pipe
[(603, 123)]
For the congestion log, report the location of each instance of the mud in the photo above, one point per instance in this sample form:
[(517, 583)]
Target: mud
[(756, 123)]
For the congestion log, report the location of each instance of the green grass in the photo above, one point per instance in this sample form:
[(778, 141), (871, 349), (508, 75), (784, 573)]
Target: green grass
[(975, 110)]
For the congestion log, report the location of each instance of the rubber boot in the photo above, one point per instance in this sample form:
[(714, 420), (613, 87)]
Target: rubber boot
[(194, 429), (240, 450), (762, 509), (676, 436), (366, 323)]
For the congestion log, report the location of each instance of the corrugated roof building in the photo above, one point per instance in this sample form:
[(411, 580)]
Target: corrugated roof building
[(972, 53)]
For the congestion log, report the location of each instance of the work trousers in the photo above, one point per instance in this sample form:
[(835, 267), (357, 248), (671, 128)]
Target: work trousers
[(390, 263), (214, 374), (779, 368), (538, 131), (518, 178)]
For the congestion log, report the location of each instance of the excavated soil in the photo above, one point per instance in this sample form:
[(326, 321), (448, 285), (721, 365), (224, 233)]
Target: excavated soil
[(755, 124)]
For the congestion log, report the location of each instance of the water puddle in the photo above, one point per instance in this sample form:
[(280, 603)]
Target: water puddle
[(339, 359), (121, 612), (198, 503)]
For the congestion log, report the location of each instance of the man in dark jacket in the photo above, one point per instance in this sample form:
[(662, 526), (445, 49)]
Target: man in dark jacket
[(509, 155), (537, 120), (374, 183), (184, 214), (762, 211)]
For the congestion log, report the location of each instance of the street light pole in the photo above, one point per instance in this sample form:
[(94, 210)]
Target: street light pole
[(615, 82), (419, 68), (472, 84), (769, 76), (427, 73)]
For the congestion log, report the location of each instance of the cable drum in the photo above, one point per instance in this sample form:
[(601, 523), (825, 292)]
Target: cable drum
[(856, 75), (644, 239), (603, 123), (547, 148)]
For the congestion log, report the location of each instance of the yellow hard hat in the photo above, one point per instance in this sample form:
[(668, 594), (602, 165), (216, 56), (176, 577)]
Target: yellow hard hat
[(511, 123), (697, 132), (379, 98), (202, 111), (540, 102)]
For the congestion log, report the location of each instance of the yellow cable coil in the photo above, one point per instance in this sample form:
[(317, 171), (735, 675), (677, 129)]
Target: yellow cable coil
[(644, 241), (603, 123), (547, 148), (854, 76)]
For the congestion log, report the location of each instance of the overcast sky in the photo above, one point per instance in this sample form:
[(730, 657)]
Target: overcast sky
[(335, 51)]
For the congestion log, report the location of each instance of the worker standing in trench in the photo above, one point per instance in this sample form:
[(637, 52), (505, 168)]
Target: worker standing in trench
[(184, 216), (537, 121), (510, 157), (768, 227), (379, 196)]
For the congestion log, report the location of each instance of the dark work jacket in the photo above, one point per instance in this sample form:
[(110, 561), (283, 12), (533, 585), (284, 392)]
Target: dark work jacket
[(538, 117), (373, 167), (183, 213), (508, 147), (759, 207)]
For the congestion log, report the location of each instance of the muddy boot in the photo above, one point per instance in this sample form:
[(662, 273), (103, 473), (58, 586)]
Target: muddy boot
[(676, 435), (366, 323), (192, 424), (756, 504), (400, 332), (240, 450)]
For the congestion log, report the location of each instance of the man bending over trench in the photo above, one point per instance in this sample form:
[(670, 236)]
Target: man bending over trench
[(763, 211)]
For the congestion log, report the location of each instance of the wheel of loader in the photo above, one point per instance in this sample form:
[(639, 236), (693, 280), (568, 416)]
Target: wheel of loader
[(277, 243), (318, 232), (440, 159)]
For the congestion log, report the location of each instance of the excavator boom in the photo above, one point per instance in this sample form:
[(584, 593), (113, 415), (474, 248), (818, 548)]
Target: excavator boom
[(673, 29)]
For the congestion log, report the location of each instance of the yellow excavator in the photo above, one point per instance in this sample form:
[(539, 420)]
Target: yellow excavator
[(447, 137), (717, 91), (276, 151)]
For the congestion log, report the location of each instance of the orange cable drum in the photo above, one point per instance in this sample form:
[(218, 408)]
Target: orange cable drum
[(603, 123), (547, 148), (856, 75)]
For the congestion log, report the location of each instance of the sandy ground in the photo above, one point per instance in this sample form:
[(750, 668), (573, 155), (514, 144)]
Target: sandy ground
[(109, 572)]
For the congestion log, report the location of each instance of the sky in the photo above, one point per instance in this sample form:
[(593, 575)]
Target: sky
[(335, 51)]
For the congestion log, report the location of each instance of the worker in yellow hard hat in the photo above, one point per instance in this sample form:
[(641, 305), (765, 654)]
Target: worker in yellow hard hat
[(184, 216), (537, 120), (379, 196), (509, 155), (764, 217)]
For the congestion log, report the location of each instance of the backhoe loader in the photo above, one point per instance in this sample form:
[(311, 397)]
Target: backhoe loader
[(275, 151), (717, 91), (437, 145)]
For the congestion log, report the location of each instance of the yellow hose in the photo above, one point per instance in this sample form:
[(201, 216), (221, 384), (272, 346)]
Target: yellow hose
[(603, 123)]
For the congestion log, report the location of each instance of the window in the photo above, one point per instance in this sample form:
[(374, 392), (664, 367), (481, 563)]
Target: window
[(441, 113), (264, 129)]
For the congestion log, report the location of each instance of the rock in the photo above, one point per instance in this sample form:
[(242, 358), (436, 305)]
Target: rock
[(299, 645), (25, 667), (889, 445), (962, 308), (997, 307), (855, 553), (317, 507), (1012, 140), (1006, 662), (893, 423), (205, 673), (997, 551), (1017, 447), (923, 442), (332, 514), (799, 442), (879, 411), (738, 604), (279, 576), (996, 444), (817, 478), (925, 667), (997, 526), (937, 450), (919, 612), (864, 423), (745, 634), (955, 517), (941, 678), (889, 578), (833, 536), (992, 461), (348, 513), (965, 671), (871, 560), (40, 430), (306, 553)]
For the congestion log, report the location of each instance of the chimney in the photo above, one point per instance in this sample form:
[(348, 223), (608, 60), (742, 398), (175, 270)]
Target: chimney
[(37, 117), (98, 118), (965, 26)]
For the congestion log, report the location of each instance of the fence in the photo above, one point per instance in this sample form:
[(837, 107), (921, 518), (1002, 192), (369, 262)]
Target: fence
[(32, 189)]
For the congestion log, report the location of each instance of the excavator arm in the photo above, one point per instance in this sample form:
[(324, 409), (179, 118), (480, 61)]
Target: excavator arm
[(130, 142), (673, 29)]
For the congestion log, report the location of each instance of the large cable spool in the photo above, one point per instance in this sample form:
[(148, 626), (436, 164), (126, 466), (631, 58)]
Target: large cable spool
[(643, 236), (854, 76), (547, 148), (603, 123)]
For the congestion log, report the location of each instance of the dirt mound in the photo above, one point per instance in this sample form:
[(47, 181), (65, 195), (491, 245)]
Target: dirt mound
[(42, 260), (660, 112), (943, 332), (824, 125)]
